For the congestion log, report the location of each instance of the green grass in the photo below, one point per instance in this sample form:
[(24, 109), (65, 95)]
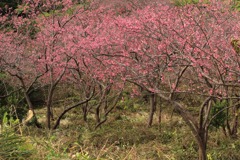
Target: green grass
[(125, 136), (184, 2)]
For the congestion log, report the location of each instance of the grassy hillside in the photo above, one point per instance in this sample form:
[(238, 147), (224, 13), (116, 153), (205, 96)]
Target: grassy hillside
[(124, 136)]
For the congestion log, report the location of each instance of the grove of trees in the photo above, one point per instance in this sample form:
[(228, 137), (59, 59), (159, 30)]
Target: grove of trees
[(172, 53)]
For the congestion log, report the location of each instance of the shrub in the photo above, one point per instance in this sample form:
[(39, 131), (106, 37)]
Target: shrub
[(219, 113), (12, 145)]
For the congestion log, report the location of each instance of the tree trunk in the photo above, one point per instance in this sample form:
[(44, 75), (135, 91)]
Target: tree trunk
[(202, 144), (202, 154), (160, 115), (30, 106), (85, 111), (67, 110), (114, 104), (235, 127), (103, 97), (97, 115), (199, 131), (153, 104), (227, 122), (232, 127), (49, 105), (224, 131), (48, 119), (29, 102), (105, 104), (235, 122)]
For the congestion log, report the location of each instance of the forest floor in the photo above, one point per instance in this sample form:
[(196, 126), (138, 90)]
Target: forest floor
[(124, 136)]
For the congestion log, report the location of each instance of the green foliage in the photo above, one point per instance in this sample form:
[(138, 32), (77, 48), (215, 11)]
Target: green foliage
[(130, 103), (51, 145), (183, 153), (13, 99), (52, 154), (12, 146), (14, 112), (3, 89), (10, 3), (235, 42), (226, 149), (82, 156), (184, 2), (219, 113), (12, 106), (236, 5), (127, 138), (3, 109), (8, 123), (167, 137)]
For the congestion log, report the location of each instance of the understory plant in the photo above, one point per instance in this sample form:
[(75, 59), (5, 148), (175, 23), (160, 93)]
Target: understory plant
[(12, 145)]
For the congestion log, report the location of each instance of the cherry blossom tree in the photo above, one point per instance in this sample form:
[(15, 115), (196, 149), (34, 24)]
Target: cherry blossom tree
[(174, 53), (182, 51), (18, 57), (41, 56), (54, 39), (89, 48)]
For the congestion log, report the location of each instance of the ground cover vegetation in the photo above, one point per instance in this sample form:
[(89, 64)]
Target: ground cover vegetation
[(85, 79)]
